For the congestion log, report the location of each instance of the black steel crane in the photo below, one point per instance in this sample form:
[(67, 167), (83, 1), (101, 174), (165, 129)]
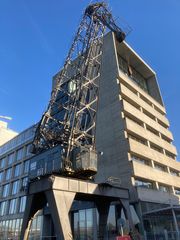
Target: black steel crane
[(70, 119)]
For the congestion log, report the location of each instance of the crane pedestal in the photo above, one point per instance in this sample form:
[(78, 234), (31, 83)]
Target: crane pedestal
[(60, 192)]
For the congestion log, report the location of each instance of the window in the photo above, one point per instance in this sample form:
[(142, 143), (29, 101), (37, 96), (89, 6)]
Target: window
[(11, 158), (163, 188), (5, 192), (170, 155), (22, 204), (156, 148), (143, 183), (174, 172), (13, 206), (160, 167), (2, 162), (26, 166), (138, 139), (8, 173), (27, 150), (15, 187), (19, 155), (17, 170), (3, 208), (132, 73), (140, 160), (24, 184), (177, 191), (1, 176)]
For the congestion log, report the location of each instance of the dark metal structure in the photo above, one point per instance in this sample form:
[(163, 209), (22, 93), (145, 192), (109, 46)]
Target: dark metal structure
[(70, 119)]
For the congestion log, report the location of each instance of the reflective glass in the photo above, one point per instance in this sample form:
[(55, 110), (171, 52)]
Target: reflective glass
[(3, 208), (26, 166), (15, 187), (13, 206), (22, 204), (8, 173), (1, 176), (6, 190), (19, 154), (11, 158), (17, 170)]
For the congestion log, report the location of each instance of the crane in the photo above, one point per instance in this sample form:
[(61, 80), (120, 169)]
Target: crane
[(70, 119)]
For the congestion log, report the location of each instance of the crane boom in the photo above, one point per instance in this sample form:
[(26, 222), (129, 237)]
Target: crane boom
[(70, 119)]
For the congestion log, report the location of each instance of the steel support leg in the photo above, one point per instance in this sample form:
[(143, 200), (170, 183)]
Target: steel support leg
[(60, 203), (103, 210)]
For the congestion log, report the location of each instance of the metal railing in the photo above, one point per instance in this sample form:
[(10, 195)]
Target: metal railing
[(166, 235)]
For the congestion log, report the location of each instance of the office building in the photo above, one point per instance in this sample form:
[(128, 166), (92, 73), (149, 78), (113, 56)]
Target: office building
[(133, 135), (5, 133)]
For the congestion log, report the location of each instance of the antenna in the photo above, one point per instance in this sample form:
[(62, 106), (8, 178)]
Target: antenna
[(7, 118)]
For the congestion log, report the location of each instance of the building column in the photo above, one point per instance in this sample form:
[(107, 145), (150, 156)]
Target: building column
[(175, 223), (103, 210), (60, 203), (126, 206)]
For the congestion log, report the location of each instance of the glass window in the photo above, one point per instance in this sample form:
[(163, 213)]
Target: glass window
[(13, 206), (163, 188), (3, 208), (19, 155), (27, 152), (11, 158), (8, 173), (25, 182), (17, 170), (177, 191), (15, 187), (22, 204), (26, 166), (1, 176), (2, 162), (5, 190), (143, 183)]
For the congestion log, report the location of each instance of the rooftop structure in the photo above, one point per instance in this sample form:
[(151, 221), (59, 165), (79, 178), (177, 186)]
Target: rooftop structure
[(5, 133)]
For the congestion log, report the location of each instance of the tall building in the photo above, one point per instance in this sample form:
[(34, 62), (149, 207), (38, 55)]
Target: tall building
[(5, 133), (133, 135)]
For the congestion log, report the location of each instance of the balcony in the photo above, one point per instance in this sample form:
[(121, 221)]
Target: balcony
[(146, 152), (142, 132), (127, 81), (131, 110), (126, 93), (151, 195), (152, 174)]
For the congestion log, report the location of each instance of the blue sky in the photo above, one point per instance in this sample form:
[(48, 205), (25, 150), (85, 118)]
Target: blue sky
[(36, 35)]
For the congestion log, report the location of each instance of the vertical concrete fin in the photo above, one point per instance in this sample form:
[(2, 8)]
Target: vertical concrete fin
[(60, 203)]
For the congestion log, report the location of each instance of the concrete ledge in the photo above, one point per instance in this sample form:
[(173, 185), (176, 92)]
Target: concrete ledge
[(77, 186)]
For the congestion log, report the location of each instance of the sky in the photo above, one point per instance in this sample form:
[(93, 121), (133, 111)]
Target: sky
[(35, 37)]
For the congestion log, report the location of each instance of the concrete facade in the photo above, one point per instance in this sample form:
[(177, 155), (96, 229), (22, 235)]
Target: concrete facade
[(132, 127)]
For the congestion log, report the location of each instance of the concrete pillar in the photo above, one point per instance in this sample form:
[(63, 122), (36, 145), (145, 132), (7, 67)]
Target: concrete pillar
[(103, 210), (126, 206), (34, 203), (175, 223), (60, 203)]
